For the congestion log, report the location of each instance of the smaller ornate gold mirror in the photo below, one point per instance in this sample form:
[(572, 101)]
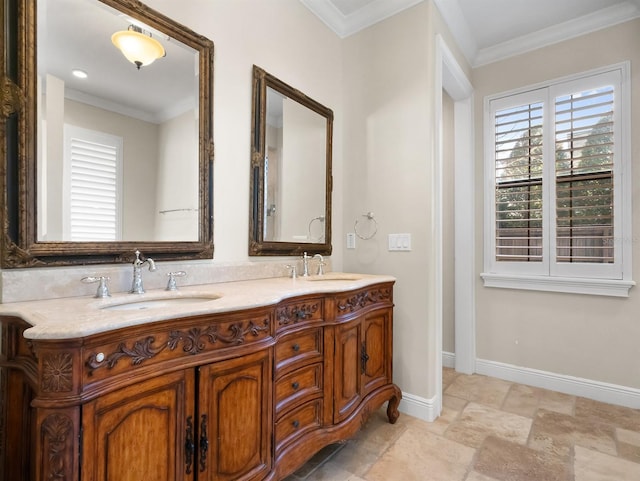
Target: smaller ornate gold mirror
[(291, 182)]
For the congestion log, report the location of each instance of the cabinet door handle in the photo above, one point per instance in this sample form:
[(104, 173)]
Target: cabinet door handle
[(296, 424), (189, 445), (364, 357), (296, 347), (204, 442), (295, 385)]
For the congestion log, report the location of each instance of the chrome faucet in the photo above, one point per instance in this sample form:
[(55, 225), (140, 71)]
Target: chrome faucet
[(305, 264), (137, 287), (321, 264)]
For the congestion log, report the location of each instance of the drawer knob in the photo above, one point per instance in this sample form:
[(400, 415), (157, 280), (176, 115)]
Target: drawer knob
[(296, 424), (295, 385), (296, 347)]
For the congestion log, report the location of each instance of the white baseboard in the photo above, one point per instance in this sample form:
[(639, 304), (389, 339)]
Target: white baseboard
[(448, 359), (599, 391), (575, 386), (419, 407)]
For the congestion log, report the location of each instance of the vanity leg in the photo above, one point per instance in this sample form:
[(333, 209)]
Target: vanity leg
[(392, 407)]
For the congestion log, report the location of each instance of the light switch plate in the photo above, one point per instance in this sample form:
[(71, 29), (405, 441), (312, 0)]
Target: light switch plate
[(399, 242), (351, 240)]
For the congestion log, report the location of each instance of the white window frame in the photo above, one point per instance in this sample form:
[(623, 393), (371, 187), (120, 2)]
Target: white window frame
[(73, 131), (599, 279)]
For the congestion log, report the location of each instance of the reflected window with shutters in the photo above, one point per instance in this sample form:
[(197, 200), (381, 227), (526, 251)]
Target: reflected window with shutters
[(92, 185), (557, 167)]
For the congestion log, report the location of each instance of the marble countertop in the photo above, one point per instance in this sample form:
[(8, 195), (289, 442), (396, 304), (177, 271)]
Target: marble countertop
[(76, 317)]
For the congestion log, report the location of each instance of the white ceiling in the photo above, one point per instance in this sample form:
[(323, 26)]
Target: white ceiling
[(488, 30)]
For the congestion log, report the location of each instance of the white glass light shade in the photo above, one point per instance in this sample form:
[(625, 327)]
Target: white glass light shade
[(138, 48)]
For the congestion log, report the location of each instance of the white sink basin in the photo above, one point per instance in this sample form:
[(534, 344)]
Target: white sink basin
[(135, 305), (334, 276)]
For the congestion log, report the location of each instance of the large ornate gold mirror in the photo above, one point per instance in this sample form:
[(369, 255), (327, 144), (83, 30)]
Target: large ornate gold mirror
[(103, 155), (291, 178)]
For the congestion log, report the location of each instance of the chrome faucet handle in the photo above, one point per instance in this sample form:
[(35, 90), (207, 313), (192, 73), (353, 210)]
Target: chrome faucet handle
[(321, 264), (294, 270), (171, 285), (103, 287)]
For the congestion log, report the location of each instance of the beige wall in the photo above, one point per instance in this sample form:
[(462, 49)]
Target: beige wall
[(389, 111), (388, 173), (288, 41), (176, 177), (590, 337)]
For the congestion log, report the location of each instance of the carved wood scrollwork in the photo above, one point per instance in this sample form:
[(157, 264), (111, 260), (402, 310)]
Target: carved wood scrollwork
[(14, 255), (292, 314), (57, 433), (363, 299), (57, 373), (194, 341), (12, 98)]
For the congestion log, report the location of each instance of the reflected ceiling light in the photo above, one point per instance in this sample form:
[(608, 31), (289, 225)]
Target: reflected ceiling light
[(79, 73), (138, 47)]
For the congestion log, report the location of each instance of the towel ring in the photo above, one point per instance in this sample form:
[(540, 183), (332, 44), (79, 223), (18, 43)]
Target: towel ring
[(320, 219), (368, 216)]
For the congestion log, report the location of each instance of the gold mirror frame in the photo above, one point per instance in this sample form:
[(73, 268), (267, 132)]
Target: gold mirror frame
[(258, 246), (19, 246)]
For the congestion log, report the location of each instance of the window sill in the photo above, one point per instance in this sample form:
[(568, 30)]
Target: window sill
[(573, 285)]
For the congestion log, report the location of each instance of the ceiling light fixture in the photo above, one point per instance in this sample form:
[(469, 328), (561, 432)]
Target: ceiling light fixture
[(138, 46), (79, 73)]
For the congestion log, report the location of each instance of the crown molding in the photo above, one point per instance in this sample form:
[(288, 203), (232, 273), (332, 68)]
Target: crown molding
[(455, 20), (346, 25), (607, 17)]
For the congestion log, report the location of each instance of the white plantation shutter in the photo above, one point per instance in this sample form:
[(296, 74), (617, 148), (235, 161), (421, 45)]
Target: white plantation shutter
[(558, 203), (584, 129), (518, 174), (93, 180)]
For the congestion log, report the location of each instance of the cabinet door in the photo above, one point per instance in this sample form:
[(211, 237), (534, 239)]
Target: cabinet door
[(235, 418), (138, 433), (376, 350), (348, 375)]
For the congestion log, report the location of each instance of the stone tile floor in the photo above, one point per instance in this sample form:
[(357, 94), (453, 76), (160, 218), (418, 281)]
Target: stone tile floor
[(490, 430)]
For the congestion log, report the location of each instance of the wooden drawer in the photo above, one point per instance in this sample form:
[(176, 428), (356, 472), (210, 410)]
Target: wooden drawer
[(303, 311), (299, 421), (357, 302), (297, 349), (111, 353), (300, 384)]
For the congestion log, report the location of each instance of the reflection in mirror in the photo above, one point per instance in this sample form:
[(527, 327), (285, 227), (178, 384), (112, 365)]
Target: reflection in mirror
[(295, 158), (120, 160), (117, 156), (291, 171)]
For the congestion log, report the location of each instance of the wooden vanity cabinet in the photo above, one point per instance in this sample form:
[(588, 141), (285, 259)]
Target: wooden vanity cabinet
[(208, 423), (139, 432), (246, 395), (235, 406), (361, 361), (18, 420)]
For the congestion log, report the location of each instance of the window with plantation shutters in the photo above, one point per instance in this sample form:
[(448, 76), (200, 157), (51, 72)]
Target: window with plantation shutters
[(92, 185), (558, 196)]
